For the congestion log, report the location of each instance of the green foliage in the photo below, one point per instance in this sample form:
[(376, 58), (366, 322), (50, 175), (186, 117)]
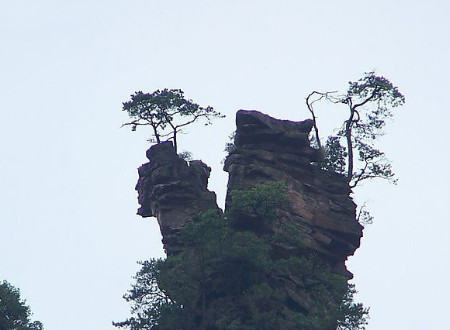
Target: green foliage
[(14, 313), (150, 305), (226, 279), (230, 146), (373, 88), (186, 155), (260, 203), (364, 217), (166, 111), (369, 101), (353, 316), (336, 154)]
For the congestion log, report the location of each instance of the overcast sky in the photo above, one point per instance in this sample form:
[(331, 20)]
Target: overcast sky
[(69, 236)]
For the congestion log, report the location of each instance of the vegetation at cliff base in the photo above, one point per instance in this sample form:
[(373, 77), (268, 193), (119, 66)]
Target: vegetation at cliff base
[(229, 277), (14, 313)]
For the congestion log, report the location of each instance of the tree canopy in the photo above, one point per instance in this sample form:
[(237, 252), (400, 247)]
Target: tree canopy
[(167, 112), (369, 102), (14, 313)]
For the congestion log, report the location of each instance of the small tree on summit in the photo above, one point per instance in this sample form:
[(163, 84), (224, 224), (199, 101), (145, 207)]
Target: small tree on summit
[(369, 102), (167, 111)]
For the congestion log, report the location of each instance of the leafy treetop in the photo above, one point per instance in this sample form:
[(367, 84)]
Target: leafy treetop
[(369, 103), (14, 313), (167, 111)]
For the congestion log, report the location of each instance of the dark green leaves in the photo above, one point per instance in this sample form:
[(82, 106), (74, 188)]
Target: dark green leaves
[(14, 313), (352, 152), (228, 279), (166, 112), (353, 316), (150, 305), (336, 155), (369, 101), (260, 202), (375, 89)]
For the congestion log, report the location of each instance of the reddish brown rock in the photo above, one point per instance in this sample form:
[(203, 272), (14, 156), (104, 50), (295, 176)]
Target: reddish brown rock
[(268, 150), (174, 191), (321, 215)]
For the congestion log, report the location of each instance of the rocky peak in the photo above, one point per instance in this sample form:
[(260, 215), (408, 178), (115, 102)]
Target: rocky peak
[(268, 150), (319, 222), (174, 191)]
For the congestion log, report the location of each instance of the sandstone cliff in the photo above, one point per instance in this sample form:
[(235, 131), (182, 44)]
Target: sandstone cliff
[(321, 215), (174, 191)]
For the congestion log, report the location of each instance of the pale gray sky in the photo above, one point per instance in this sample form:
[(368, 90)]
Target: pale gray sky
[(69, 236)]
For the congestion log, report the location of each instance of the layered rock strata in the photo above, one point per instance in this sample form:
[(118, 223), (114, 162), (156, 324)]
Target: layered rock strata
[(322, 216), (174, 191), (266, 150)]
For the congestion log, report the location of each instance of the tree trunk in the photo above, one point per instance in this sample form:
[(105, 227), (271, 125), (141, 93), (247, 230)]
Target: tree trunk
[(155, 132), (175, 141), (348, 135)]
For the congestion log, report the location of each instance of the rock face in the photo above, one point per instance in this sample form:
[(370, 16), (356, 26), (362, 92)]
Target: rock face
[(268, 150), (321, 215), (265, 150), (174, 191)]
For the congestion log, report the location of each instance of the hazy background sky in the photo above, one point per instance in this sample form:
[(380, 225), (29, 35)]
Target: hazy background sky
[(69, 236)]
